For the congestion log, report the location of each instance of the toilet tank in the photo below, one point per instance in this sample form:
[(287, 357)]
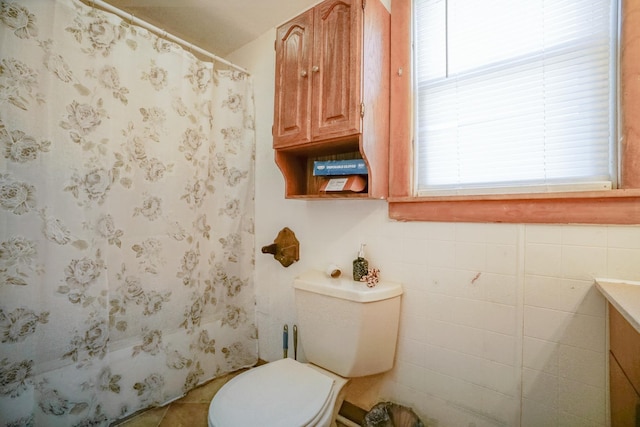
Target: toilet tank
[(345, 326)]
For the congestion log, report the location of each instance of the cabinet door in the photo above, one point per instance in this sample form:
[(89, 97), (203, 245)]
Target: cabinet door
[(294, 42), (337, 65), (624, 341), (625, 402)]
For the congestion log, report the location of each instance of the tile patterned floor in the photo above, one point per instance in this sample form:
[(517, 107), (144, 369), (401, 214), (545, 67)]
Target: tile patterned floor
[(188, 411)]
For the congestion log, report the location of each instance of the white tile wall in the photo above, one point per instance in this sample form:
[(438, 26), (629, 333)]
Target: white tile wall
[(500, 325)]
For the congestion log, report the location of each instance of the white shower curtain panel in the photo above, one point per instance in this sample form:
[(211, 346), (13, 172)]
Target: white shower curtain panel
[(126, 217)]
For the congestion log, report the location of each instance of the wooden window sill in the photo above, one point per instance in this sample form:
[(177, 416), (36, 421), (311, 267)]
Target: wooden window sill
[(588, 207), (599, 207)]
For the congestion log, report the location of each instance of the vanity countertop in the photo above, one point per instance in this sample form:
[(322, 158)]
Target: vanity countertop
[(624, 295)]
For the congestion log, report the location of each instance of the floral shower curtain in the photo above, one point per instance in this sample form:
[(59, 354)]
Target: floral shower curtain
[(126, 217)]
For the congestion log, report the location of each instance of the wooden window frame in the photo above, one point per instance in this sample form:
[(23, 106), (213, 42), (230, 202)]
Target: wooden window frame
[(617, 206)]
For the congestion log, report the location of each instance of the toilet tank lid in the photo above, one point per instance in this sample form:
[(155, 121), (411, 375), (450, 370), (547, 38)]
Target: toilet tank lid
[(345, 288)]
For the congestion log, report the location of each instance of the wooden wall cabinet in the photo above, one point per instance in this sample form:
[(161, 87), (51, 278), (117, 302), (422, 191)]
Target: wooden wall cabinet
[(332, 94), (624, 371)]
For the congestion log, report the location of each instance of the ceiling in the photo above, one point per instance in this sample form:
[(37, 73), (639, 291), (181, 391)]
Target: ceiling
[(217, 26)]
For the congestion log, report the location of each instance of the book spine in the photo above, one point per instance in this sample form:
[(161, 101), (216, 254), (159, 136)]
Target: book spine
[(340, 167)]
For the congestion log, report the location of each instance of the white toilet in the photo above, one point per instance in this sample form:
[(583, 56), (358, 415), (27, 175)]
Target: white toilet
[(346, 330)]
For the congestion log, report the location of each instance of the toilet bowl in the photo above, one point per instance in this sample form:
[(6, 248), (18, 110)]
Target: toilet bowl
[(347, 330), (284, 393)]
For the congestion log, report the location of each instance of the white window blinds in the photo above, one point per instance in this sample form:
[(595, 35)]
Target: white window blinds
[(514, 95)]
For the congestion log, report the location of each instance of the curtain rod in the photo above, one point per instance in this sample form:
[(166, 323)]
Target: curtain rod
[(158, 31)]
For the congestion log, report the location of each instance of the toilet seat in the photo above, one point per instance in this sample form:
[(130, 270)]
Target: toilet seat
[(284, 393)]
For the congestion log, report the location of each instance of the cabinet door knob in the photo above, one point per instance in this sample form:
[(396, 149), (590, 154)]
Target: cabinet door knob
[(303, 73), (315, 69)]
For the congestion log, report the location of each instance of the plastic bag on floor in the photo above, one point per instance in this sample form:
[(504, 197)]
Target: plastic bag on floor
[(389, 414)]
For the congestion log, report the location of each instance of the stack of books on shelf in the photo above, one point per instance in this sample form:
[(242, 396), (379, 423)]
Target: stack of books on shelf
[(342, 175)]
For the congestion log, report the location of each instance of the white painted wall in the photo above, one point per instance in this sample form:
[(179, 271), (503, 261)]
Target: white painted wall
[(501, 324)]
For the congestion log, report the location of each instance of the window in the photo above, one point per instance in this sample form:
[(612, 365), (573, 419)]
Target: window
[(619, 205), (514, 95)]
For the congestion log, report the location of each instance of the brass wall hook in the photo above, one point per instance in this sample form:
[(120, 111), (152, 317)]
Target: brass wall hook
[(285, 248)]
